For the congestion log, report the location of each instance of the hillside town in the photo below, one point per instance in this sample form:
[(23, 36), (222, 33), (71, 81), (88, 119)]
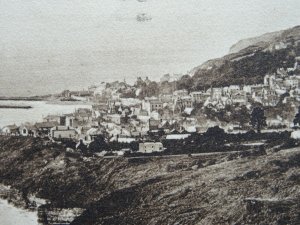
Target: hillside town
[(146, 112), (142, 116)]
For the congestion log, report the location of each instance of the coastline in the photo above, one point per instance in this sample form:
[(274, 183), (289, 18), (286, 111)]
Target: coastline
[(14, 204), (11, 215), (58, 102), (38, 211), (40, 109)]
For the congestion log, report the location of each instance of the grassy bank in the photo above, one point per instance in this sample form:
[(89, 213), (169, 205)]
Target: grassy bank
[(213, 189)]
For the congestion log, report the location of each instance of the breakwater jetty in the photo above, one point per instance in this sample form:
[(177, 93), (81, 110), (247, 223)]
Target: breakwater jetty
[(14, 107)]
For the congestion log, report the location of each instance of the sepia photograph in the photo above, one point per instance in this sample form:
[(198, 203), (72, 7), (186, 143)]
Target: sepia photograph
[(149, 112)]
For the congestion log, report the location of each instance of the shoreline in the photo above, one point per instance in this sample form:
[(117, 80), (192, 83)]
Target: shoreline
[(58, 102), (41, 208), (46, 101), (18, 199), (12, 215), (23, 204)]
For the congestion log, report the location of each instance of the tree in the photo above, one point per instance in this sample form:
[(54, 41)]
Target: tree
[(258, 119), (152, 89), (243, 116), (215, 136), (215, 131), (296, 120), (186, 82), (99, 144), (139, 82), (82, 147)]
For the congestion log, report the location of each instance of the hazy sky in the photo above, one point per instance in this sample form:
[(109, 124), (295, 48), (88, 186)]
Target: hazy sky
[(51, 45)]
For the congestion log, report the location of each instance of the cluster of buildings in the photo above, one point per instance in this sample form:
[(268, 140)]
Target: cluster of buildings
[(127, 120)]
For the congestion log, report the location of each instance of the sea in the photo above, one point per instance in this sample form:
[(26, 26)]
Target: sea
[(10, 215), (40, 109), (48, 46)]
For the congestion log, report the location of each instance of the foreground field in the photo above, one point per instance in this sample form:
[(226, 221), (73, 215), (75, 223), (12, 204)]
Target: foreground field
[(258, 187)]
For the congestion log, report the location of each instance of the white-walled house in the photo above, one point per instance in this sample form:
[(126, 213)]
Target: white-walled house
[(199, 96), (180, 93), (291, 82), (67, 120), (27, 130), (63, 132), (114, 118), (10, 130), (177, 136), (52, 118), (125, 139), (92, 133), (149, 147)]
